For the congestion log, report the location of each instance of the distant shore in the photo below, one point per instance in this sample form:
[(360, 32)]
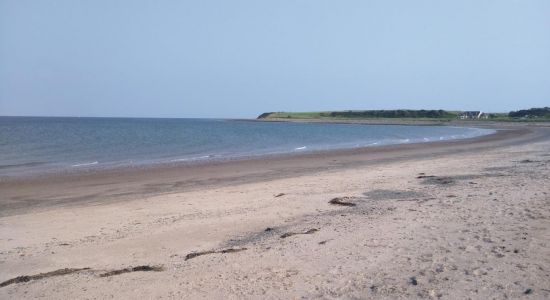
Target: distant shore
[(390, 121), (533, 115)]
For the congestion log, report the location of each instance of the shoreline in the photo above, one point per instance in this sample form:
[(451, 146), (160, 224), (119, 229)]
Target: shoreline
[(26, 195), (455, 220), (96, 167), (185, 163)]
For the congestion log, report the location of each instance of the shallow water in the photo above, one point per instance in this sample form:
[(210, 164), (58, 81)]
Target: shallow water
[(33, 145)]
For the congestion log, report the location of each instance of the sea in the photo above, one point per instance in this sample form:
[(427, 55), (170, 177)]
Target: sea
[(49, 145)]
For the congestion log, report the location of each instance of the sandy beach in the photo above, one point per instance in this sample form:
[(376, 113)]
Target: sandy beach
[(463, 219)]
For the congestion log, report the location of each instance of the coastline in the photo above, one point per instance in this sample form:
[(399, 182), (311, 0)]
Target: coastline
[(21, 195), (462, 219), (85, 152), (411, 121)]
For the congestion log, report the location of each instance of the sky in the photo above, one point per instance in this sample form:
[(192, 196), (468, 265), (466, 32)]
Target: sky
[(237, 59)]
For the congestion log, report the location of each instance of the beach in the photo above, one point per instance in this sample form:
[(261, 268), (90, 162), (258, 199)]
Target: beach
[(452, 220)]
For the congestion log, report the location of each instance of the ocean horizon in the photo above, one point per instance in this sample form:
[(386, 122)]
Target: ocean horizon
[(43, 145)]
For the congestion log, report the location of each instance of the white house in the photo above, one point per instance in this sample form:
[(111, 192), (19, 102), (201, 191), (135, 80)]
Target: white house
[(472, 115)]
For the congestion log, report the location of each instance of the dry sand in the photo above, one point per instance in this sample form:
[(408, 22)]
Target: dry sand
[(451, 220)]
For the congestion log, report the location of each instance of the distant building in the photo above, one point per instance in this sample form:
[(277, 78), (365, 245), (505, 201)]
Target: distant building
[(472, 115)]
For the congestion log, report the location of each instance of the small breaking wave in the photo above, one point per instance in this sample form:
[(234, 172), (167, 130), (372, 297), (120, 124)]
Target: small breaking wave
[(86, 164), (301, 148), (192, 158)]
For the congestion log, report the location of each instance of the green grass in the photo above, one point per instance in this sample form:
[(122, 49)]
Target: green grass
[(353, 115), (298, 115), (346, 115)]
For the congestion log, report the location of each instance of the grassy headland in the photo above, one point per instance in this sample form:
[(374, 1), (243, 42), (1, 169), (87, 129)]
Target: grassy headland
[(528, 115)]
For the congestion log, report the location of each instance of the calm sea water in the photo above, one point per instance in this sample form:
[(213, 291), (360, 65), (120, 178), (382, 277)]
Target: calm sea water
[(32, 145)]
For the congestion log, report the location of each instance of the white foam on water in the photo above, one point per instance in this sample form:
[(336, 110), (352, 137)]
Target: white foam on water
[(192, 158), (86, 164), (300, 148)]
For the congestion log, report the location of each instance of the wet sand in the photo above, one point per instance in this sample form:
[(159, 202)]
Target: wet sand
[(22, 195), (459, 219)]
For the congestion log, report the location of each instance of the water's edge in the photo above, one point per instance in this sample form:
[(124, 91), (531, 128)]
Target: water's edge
[(263, 142)]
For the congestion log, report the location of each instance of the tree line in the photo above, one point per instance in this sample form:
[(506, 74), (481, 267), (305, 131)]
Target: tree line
[(398, 113), (543, 112)]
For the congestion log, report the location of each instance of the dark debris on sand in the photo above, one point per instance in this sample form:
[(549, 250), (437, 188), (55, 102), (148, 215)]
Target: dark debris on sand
[(67, 271), (344, 201), (528, 161), (223, 251), (431, 179), (27, 278), (289, 234), (133, 269)]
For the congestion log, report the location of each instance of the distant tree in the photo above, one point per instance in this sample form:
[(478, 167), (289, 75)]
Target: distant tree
[(400, 113), (543, 112)]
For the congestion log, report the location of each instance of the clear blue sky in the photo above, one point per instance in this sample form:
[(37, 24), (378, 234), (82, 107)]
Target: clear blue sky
[(240, 58)]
